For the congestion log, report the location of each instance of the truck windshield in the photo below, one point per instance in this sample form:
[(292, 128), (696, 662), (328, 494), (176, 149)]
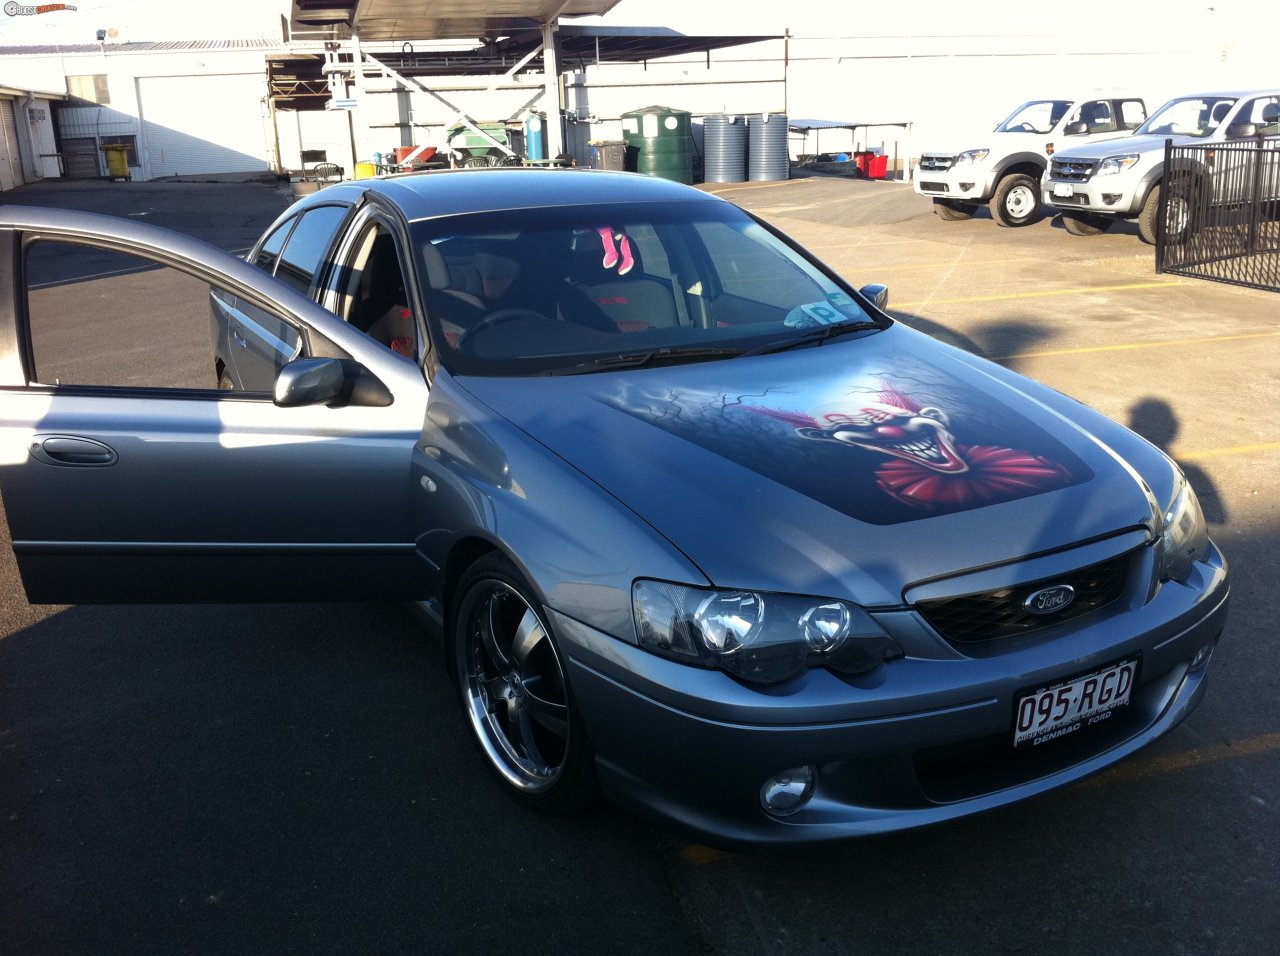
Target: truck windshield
[(1192, 116), (1038, 116)]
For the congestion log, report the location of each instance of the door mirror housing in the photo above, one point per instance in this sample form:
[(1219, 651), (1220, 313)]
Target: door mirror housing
[(1075, 129), (1242, 130), (328, 381), (878, 294)]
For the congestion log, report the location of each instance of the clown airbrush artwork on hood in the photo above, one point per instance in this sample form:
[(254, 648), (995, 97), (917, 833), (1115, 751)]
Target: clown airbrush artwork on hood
[(882, 447)]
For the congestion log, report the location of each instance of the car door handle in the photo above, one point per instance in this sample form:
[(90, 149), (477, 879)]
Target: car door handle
[(69, 450), (239, 338)]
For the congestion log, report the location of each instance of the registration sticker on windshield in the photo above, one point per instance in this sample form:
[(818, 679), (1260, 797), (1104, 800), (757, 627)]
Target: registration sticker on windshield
[(1061, 710)]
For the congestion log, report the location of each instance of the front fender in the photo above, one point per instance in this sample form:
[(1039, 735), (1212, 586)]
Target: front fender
[(479, 478)]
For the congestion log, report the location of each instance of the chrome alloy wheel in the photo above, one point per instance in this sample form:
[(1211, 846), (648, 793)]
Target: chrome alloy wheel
[(514, 688)]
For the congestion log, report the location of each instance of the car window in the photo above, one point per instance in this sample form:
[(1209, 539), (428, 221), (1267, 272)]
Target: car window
[(1192, 116), (1263, 112), (1095, 114), (102, 318), (303, 254), (1038, 116), (532, 291), (270, 248), (751, 270), (1132, 113), (376, 299)]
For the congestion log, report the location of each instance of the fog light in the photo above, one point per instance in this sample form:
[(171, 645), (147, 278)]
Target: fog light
[(1201, 658), (788, 791), (966, 187), (1110, 198)]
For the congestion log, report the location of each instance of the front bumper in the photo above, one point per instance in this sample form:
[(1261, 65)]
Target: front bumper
[(923, 741), (968, 183), (1107, 195)]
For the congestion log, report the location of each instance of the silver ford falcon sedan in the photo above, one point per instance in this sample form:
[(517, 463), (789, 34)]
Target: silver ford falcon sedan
[(704, 530)]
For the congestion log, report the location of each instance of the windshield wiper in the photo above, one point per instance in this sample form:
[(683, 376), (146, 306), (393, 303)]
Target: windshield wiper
[(813, 337), (667, 356)]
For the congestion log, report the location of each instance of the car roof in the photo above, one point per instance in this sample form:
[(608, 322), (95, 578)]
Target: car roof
[(1238, 94), (452, 192)]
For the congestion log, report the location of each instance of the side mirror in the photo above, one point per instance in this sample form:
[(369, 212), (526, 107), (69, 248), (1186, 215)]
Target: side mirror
[(878, 294), (1075, 129), (1242, 130), (328, 381)]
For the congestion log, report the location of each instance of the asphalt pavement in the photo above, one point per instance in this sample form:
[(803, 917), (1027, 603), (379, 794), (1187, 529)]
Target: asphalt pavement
[(297, 778)]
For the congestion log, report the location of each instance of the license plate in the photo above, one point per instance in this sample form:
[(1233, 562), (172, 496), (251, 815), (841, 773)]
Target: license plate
[(1065, 708), (1065, 190)]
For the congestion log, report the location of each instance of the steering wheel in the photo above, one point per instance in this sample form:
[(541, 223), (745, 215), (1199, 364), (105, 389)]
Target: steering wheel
[(500, 317)]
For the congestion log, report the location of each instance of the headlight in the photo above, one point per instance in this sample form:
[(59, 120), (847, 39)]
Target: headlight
[(1185, 538), (971, 156), (1115, 164), (760, 638)]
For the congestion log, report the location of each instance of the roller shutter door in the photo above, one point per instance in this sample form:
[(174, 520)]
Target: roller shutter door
[(81, 157), (202, 124), (10, 159)]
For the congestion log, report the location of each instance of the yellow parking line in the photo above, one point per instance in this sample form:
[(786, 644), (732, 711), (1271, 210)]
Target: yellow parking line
[(1129, 346), (1200, 756), (1045, 293), (1224, 452)]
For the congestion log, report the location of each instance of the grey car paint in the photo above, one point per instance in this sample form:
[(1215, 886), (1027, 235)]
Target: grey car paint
[(585, 488)]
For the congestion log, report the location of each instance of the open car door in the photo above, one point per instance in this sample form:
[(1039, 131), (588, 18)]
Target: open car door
[(128, 475)]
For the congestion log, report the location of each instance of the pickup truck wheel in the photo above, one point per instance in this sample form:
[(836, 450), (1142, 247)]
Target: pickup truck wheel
[(953, 210), (1179, 217), (1085, 224), (1016, 201)]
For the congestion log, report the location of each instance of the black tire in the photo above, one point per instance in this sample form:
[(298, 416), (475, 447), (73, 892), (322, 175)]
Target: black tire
[(514, 695), (1181, 217), (1016, 201), (1149, 215), (1085, 224), (953, 210)]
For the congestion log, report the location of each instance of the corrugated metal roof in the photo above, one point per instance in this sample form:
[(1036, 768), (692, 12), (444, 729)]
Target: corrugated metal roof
[(155, 46)]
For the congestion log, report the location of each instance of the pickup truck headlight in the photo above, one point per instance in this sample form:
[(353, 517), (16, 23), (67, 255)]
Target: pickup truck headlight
[(1185, 538), (760, 638), (1115, 164), (971, 156)]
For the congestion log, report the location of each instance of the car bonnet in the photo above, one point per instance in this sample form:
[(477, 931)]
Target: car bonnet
[(852, 469)]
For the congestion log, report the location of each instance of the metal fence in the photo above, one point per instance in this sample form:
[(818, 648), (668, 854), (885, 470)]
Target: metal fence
[(1219, 214)]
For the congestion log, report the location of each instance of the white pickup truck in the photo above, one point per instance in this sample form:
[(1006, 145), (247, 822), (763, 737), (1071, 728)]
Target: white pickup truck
[(1095, 184), (1006, 168)]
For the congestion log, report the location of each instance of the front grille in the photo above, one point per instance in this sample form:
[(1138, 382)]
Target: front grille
[(1071, 170), (929, 187), (993, 615), (936, 162), (1079, 199)]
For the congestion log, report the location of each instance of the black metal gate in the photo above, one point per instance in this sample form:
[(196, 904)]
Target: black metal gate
[(1220, 213)]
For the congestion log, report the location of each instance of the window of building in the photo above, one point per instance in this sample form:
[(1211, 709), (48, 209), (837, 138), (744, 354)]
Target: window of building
[(89, 88)]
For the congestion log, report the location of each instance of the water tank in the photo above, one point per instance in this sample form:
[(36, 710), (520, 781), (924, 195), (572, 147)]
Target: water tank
[(534, 137), (659, 142), (724, 144), (769, 158)]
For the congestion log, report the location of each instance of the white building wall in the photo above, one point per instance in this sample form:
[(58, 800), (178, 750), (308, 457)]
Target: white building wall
[(212, 114)]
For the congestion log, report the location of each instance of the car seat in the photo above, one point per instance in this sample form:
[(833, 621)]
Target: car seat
[(608, 289)]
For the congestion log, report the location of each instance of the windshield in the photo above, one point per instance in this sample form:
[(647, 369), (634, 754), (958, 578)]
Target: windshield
[(1193, 116), (587, 288), (1038, 116)]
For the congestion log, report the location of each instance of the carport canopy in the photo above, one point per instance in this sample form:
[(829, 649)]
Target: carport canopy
[(439, 19)]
